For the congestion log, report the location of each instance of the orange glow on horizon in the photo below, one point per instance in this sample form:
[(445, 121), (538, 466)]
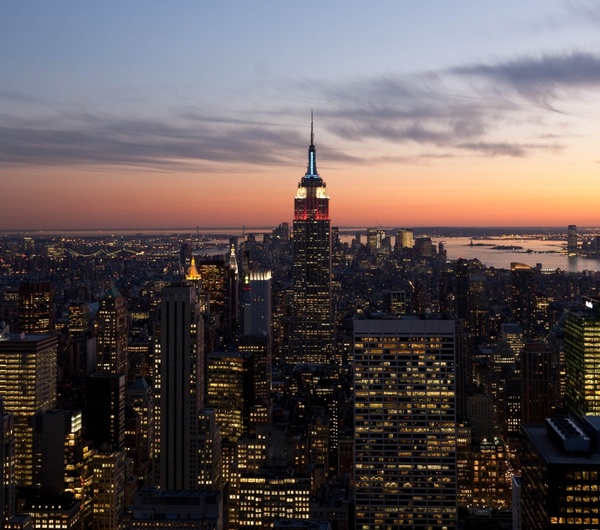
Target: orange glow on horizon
[(462, 192)]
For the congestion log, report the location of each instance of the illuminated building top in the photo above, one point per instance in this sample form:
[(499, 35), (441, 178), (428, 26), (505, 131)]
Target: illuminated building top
[(312, 201)]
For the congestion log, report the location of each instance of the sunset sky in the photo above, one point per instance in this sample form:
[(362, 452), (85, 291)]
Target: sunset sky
[(193, 113)]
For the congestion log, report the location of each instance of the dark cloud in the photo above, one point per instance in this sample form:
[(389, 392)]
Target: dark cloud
[(436, 110), (507, 149), (539, 80), (90, 139)]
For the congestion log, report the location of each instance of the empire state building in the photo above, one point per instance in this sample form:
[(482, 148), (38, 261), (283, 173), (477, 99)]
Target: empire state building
[(311, 338)]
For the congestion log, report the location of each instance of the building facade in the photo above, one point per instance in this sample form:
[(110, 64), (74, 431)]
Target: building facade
[(311, 339), (179, 387), (28, 384), (405, 423)]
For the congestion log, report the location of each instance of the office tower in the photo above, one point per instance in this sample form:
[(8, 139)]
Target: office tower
[(230, 378), (105, 411), (560, 475), (109, 479), (397, 302), (79, 319), (210, 452), (35, 307), (311, 338), (462, 274), (155, 509), (572, 240), (140, 396), (7, 465), (478, 316), (582, 357), (536, 382), (179, 387), (219, 279), (464, 465), (424, 247), (375, 239), (51, 510), (260, 348), (319, 440), (112, 333), (28, 384), (62, 459), (270, 494), (405, 423), (491, 485), (256, 293), (512, 334), (522, 290), (482, 417), (404, 238)]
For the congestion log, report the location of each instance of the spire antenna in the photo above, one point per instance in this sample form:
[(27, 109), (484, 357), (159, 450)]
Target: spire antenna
[(312, 134)]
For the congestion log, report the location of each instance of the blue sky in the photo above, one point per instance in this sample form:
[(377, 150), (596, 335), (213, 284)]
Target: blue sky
[(225, 88)]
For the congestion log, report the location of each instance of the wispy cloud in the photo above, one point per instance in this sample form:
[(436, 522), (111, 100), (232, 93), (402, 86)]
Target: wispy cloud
[(465, 110), (539, 80)]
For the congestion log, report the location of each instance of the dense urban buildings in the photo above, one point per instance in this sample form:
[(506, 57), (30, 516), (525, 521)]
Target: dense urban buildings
[(317, 377)]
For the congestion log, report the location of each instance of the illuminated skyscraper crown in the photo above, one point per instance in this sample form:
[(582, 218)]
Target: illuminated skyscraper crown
[(312, 201)]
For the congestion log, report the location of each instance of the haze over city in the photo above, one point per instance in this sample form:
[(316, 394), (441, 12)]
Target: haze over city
[(129, 115)]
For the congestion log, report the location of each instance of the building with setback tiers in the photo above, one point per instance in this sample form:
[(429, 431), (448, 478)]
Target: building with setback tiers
[(311, 339)]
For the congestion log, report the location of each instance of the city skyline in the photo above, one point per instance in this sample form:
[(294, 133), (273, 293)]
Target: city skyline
[(425, 115)]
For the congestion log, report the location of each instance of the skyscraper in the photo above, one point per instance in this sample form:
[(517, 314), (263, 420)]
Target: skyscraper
[(112, 333), (572, 240), (28, 384), (230, 379), (257, 303), (405, 423), (582, 357), (179, 387), (311, 337), (35, 307)]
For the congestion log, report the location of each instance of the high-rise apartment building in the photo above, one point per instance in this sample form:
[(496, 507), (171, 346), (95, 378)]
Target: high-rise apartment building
[(405, 423), (311, 338), (28, 384), (582, 358), (179, 387), (112, 333)]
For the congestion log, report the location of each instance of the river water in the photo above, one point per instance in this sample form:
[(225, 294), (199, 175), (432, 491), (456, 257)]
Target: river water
[(534, 251)]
